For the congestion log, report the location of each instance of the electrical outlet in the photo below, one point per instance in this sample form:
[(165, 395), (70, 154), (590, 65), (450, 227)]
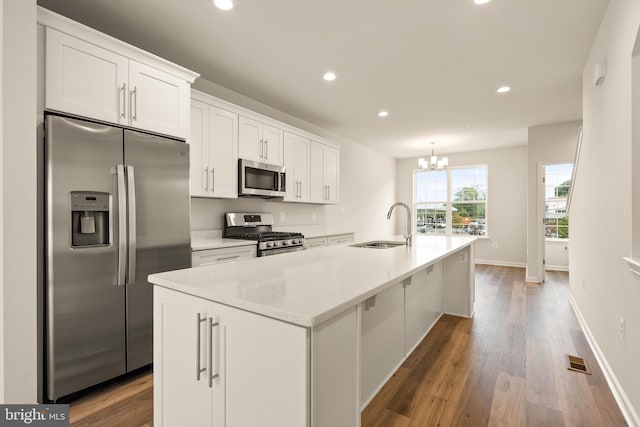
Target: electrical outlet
[(495, 245), (281, 216), (463, 257), (621, 327)]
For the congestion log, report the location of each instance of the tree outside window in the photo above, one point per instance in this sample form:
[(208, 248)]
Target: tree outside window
[(557, 181)]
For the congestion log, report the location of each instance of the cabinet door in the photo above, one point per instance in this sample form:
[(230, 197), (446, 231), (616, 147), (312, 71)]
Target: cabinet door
[(423, 303), (315, 242), (216, 256), (331, 174), (382, 326), (199, 149), (223, 153), (296, 162), (316, 173), (182, 394), (273, 145), (84, 79), (159, 101), (340, 239), (250, 145)]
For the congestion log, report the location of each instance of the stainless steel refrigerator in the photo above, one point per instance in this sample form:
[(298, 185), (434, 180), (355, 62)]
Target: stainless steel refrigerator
[(117, 210)]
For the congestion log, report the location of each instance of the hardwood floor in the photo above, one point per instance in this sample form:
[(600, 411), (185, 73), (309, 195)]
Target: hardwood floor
[(505, 367)]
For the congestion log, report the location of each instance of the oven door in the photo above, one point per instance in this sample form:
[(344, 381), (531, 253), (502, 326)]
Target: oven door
[(268, 252), (260, 179)]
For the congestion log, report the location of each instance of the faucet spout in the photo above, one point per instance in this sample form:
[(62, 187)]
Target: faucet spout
[(407, 235)]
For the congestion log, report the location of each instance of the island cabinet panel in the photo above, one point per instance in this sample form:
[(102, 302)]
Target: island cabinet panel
[(334, 381), (382, 339), (260, 366), (460, 285), (423, 294)]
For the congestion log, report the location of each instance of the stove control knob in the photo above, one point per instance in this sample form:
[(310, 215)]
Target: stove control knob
[(269, 244), (276, 243), (285, 243), (295, 242)]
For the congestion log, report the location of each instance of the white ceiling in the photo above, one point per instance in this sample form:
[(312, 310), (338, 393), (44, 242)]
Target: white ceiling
[(433, 64)]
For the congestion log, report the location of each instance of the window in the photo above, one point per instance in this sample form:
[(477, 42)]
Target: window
[(557, 180), (451, 201)]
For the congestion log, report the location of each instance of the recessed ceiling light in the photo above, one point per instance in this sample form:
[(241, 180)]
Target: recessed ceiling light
[(223, 4), (503, 89), (481, 1), (383, 113), (329, 76)]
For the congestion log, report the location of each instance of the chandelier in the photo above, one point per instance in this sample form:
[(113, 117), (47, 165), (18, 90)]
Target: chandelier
[(433, 163)]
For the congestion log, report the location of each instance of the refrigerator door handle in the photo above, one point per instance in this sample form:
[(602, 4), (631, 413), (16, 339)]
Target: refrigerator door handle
[(131, 203), (122, 226)]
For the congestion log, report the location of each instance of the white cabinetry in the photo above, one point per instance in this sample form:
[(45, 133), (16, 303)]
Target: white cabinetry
[(214, 149), (324, 173), (322, 241), (93, 75), (296, 162), (340, 239), (260, 142), (423, 295), (260, 366), (382, 339), (216, 256)]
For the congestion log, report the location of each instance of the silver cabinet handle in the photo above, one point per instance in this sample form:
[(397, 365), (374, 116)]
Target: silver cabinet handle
[(199, 370), (213, 376), (206, 179), (328, 192), (131, 194), (261, 148), (300, 189), (123, 106), (213, 180), (225, 258), (133, 100), (122, 225), (266, 148)]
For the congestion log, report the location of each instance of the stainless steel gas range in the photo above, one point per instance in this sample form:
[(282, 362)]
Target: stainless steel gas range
[(259, 227)]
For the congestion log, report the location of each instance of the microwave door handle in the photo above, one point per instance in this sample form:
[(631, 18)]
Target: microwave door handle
[(131, 187), (122, 225)]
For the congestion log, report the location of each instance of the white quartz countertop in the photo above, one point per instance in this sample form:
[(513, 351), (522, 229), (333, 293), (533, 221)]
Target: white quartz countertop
[(308, 287), (218, 243)]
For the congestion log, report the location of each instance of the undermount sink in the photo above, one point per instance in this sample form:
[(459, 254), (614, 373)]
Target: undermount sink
[(378, 244)]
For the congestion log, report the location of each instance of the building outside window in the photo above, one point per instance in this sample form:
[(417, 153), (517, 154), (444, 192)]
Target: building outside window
[(557, 181), (451, 201)]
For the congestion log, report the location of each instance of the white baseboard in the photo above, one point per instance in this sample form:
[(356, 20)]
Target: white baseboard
[(501, 263), (556, 267), (627, 409)]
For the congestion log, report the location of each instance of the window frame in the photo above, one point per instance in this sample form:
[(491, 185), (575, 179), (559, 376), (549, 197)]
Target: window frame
[(544, 205), (449, 203)]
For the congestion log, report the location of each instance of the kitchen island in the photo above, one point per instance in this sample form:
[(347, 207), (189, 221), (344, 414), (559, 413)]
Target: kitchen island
[(305, 338)]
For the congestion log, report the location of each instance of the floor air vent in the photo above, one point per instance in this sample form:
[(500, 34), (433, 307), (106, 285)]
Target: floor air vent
[(578, 364)]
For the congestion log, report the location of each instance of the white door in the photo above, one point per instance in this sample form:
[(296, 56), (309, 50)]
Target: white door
[(331, 165), (84, 79), (159, 101), (250, 146), (223, 153), (199, 149), (273, 145), (183, 394), (316, 171)]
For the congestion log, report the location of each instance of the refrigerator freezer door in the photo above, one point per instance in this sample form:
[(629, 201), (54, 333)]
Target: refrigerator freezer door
[(163, 241), (85, 315)]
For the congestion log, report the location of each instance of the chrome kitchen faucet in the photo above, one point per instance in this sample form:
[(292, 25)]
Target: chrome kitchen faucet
[(407, 235)]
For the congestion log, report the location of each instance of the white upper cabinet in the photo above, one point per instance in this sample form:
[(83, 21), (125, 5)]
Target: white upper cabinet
[(214, 149), (93, 75), (82, 78), (324, 173), (296, 163), (260, 142)]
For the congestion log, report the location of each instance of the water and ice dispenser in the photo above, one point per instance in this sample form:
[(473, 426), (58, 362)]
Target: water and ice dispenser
[(90, 218)]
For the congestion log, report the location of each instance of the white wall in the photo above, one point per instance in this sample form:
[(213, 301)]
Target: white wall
[(367, 184), (18, 285), (507, 201), (1, 209), (605, 180), (553, 143)]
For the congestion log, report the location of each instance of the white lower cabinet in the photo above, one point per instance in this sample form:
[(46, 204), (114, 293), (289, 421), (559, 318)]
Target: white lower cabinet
[(322, 241), (382, 339), (340, 239), (216, 256), (315, 242), (259, 366), (423, 294)]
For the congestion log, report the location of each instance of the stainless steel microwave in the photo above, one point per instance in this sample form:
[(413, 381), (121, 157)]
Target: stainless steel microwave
[(257, 179)]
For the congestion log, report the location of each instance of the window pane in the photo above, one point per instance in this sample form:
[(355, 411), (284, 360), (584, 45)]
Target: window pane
[(469, 218), (430, 218), (431, 186), (557, 183), (469, 183)]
